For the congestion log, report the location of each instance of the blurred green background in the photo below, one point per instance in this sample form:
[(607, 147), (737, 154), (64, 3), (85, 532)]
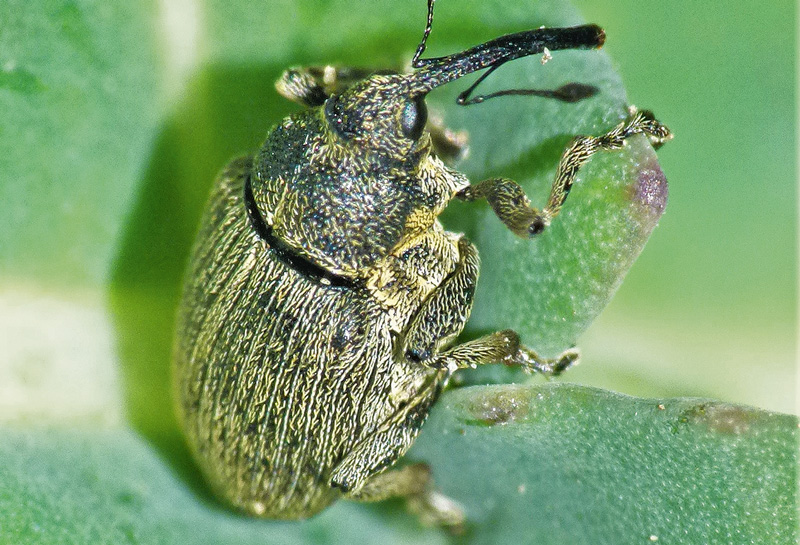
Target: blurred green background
[(710, 306)]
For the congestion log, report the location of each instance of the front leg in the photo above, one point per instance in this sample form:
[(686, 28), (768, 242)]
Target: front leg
[(312, 85), (512, 206)]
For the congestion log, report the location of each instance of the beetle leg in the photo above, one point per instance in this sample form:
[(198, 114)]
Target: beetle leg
[(449, 145), (512, 206), (443, 314), (362, 475), (502, 347), (312, 85), (413, 482), (384, 446), (406, 481), (435, 326)]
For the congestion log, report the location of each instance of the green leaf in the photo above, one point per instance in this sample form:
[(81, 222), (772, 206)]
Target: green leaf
[(80, 103), (111, 487), (561, 463), (551, 464)]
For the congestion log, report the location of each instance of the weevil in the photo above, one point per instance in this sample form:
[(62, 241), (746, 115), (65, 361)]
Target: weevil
[(323, 299)]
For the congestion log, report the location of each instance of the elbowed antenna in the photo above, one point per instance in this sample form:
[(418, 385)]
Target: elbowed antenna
[(438, 71)]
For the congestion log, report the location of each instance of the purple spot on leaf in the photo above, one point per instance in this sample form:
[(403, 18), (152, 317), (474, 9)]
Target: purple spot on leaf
[(651, 189), (649, 196)]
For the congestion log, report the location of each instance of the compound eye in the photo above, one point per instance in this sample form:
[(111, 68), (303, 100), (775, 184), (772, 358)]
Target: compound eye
[(413, 118)]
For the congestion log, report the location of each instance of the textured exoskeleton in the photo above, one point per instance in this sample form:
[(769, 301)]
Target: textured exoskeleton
[(323, 297)]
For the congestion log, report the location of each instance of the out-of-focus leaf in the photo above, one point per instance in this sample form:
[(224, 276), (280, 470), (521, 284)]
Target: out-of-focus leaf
[(80, 100), (78, 487)]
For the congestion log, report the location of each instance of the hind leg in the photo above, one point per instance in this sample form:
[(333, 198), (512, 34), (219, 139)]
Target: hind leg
[(414, 483), (363, 475)]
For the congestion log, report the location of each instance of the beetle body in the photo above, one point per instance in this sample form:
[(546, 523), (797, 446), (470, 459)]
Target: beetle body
[(286, 365), (323, 298)]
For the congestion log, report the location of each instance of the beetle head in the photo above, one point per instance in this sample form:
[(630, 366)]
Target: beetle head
[(386, 114), (342, 185), (383, 114)]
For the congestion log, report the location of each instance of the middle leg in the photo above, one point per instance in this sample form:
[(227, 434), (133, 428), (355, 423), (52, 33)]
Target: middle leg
[(444, 314)]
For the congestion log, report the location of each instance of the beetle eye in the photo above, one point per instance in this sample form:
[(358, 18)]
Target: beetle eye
[(414, 117)]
